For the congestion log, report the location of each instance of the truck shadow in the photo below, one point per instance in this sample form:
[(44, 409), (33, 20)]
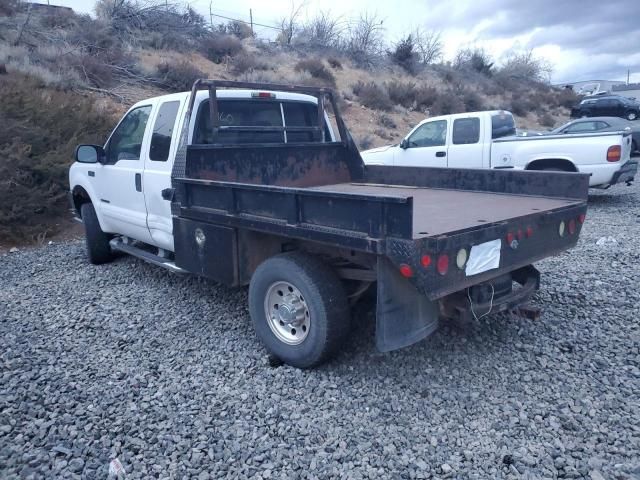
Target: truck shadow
[(612, 198)]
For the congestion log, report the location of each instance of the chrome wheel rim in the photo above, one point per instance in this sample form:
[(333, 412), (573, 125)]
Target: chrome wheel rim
[(287, 313)]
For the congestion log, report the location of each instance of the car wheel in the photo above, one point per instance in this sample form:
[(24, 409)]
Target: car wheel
[(299, 309), (98, 248), (631, 116)]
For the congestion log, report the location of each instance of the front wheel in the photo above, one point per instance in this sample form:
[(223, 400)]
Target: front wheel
[(98, 248), (299, 309), (631, 116)]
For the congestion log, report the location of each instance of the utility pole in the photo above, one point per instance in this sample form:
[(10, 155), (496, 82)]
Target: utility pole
[(211, 14), (251, 20), (628, 74)]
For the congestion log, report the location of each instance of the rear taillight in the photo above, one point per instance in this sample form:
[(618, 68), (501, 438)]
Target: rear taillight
[(529, 232), (572, 226), (425, 261), (614, 153), (582, 218), (406, 271), (443, 264)]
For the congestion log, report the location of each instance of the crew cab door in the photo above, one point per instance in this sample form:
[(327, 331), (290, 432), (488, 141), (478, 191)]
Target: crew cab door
[(425, 146), (465, 149), (119, 180), (157, 170)]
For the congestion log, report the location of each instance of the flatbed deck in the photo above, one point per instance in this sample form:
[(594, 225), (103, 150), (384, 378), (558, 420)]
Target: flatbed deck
[(443, 211)]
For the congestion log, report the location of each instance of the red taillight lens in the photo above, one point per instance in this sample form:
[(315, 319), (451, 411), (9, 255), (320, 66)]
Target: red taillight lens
[(406, 271), (425, 261), (443, 264), (582, 218), (510, 238), (529, 232), (520, 234), (263, 95), (572, 227), (614, 153)]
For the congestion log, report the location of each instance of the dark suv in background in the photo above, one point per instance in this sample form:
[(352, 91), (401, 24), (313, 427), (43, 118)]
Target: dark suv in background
[(607, 106)]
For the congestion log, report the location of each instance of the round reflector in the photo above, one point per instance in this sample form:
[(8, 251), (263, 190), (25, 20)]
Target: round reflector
[(443, 264), (520, 234), (561, 229), (582, 218), (425, 260), (510, 238), (406, 271), (461, 258), (572, 226), (529, 232)]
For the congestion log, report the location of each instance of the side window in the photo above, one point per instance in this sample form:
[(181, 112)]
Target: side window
[(581, 127), (431, 134), (603, 103), (126, 141), (163, 131), (502, 125), (466, 131), (239, 113)]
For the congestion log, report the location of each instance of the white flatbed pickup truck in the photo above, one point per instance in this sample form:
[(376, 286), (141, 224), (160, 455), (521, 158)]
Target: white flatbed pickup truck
[(254, 184), (487, 140)]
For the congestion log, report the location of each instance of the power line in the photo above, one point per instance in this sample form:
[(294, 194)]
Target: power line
[(245, 22)]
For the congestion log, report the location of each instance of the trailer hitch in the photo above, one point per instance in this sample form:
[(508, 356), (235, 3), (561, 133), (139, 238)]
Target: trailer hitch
[(527, 311)]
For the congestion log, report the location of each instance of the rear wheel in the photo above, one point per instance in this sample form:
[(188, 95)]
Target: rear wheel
[(98, 248), (299, 309), (631, 115)]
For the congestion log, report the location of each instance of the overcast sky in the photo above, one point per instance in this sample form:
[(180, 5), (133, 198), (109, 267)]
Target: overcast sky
[(583, 39)]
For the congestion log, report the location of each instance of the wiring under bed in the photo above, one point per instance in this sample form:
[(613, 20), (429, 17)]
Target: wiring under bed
[(493, 291)]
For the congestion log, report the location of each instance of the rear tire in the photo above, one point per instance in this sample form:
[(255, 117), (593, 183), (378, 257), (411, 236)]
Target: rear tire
[(294, 291), (98, 248), (631, 116)]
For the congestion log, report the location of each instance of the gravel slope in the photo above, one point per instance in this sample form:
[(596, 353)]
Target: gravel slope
[(164, 373)]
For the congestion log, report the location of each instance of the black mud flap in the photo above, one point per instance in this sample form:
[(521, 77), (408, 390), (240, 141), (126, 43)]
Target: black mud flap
[(404, 315)]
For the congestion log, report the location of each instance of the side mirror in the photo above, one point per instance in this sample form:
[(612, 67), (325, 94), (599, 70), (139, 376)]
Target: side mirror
[(404, 144), (90, 154)]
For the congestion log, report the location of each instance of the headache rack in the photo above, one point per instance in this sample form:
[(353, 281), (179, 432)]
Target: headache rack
[(320, 93)]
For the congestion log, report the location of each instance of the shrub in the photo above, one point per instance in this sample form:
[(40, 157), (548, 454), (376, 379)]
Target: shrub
[(405, 55), (402, 93), (547, 120), (365, 142), (521, 106), (383, 134), (387, 121), (178, 76), (316, 69), (40, 130), (426, 96), (447, 103), (472, 100), (335, 63), (372, 95), (239, 29), (475, 60), (217, 47), (247, 63)]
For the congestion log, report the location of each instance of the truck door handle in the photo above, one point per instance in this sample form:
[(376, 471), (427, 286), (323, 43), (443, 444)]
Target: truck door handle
[(138, 182), (441, 154)]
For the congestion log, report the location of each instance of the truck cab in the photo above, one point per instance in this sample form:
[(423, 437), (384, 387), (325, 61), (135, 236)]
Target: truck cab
[(126, 185)]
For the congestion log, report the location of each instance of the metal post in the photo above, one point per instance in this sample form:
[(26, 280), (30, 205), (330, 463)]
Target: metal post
[(251, 20)]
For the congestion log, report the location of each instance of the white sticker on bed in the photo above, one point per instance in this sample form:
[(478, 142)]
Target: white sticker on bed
[(484, 257)]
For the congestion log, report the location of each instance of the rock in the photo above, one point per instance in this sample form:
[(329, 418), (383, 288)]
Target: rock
[(606, 241), (595, 475), (14, 250), (446, 468)]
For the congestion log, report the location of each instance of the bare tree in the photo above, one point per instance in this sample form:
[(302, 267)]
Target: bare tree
[(289, 25), (429, 46), (323, 30), (365, 38), (525, 66), (476, 59)]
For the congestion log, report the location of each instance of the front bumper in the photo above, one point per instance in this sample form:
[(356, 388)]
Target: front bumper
[(626, 174)]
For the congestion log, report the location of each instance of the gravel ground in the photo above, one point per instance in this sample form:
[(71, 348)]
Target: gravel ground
[(164, 373)]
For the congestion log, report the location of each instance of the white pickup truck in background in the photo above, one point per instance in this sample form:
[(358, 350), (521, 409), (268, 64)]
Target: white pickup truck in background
[(487, 140)]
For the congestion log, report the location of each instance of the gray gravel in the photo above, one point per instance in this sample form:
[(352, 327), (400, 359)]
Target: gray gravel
[(164, 373)]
